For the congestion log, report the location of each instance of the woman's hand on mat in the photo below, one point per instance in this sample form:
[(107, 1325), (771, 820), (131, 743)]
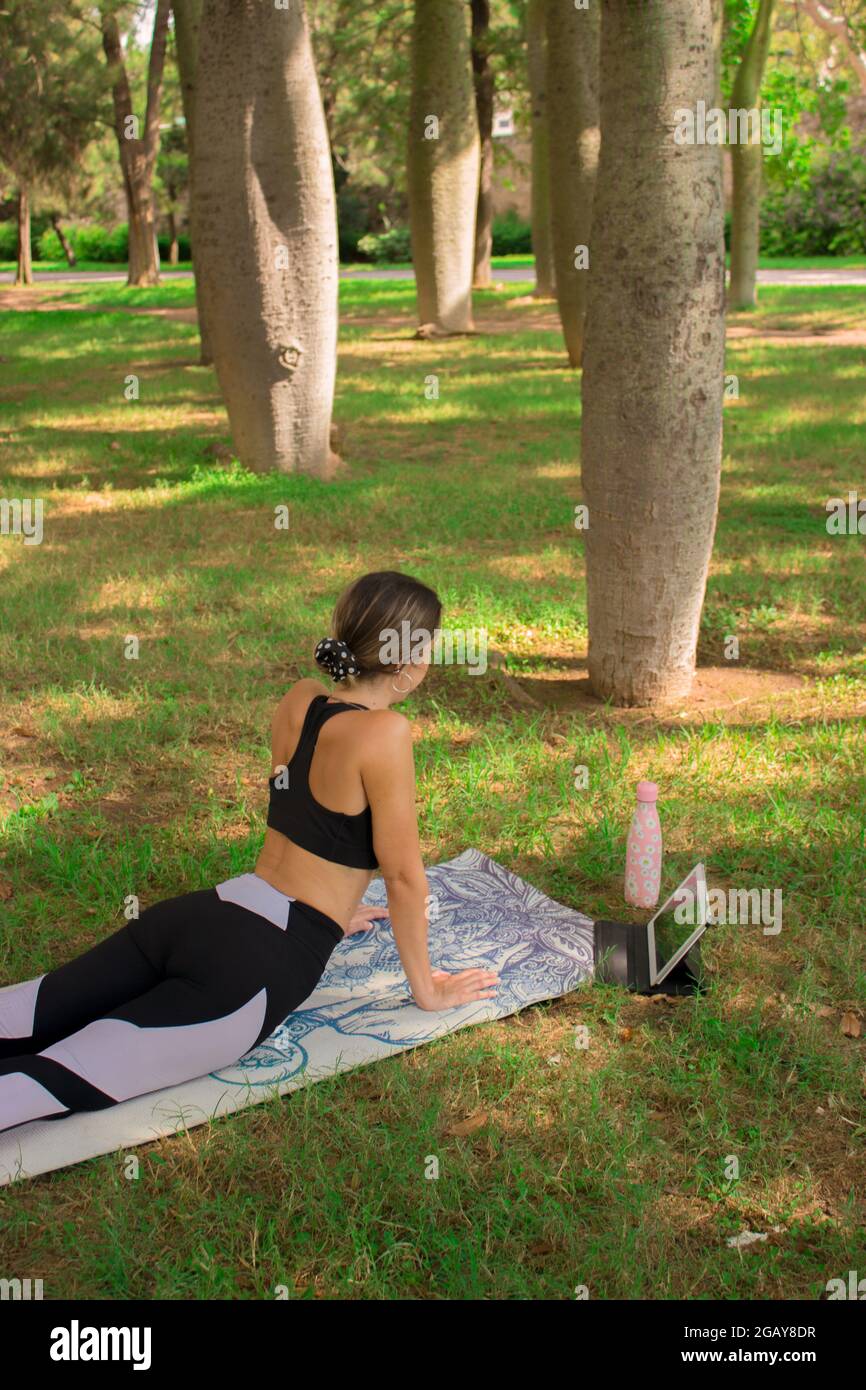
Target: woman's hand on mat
[(450, 991), (364, 918)]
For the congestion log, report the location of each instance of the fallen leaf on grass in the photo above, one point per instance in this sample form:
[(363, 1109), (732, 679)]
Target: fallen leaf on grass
[(851, 1026), (541, 1247), (468, 1126), (5, 890)]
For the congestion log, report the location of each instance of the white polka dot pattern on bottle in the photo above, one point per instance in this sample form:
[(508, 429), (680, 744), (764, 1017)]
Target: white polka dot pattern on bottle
[(336, 658)]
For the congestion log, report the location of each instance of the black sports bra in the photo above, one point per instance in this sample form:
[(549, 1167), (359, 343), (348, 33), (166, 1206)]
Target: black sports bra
[(294, 811)]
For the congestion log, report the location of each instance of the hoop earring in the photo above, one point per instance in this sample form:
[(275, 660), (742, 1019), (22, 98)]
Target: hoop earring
[(399, 690)]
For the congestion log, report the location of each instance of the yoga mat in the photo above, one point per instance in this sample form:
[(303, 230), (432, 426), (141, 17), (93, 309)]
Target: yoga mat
[(480, 915)]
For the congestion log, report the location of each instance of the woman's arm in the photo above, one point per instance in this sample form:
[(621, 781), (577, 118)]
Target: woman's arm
[(388, 771)]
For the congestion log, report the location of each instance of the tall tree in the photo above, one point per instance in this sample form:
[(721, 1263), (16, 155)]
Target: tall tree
[(542, 242), (50, 94), (172, 181), (747, 160), (482, 74), (24, 259), (653, 367), (572, 113), (266, 232), (442, 166), (138, 146), (187, 18)]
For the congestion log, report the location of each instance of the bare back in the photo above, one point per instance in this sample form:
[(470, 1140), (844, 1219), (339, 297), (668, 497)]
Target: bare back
[(336, 782)]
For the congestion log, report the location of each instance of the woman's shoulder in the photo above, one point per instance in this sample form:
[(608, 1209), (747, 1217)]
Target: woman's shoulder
[(296, 700), (303, 690)]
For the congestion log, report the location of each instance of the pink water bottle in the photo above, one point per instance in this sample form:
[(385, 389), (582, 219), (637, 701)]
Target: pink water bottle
[(643, 855)]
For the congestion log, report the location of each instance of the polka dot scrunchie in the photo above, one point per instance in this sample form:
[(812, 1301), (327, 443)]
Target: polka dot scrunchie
[(336, 659)]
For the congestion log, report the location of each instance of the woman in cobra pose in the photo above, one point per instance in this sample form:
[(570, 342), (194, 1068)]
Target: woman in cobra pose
[(199, 980)]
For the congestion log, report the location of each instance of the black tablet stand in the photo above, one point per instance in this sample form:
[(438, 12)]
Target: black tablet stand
[(621, 957)]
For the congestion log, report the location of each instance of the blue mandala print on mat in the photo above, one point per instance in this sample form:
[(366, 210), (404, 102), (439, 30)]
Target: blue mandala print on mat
[(362, 1007)]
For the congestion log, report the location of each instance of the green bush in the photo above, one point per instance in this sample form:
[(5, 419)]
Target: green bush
[(98, 244), (48, 247), (8, 240), (823, 215), (183, 248), (384, 247), (511, 235)]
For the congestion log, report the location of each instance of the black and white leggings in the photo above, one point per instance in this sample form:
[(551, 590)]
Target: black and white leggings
[(189, 987)]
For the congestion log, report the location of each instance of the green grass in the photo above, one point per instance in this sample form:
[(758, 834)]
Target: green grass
[(148, 776), (110, 267)]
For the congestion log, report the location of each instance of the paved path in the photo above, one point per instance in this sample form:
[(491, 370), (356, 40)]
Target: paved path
[(845, 275)]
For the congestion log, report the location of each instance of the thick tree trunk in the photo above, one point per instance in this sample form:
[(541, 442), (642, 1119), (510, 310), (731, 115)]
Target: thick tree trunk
[(654, 361), (187, 18), (572, 115), (483, 78), (542, 244), (143, 250), (138, 152), (24, 273), (747, 162), (442, 166), (266, 233), (65, 243)]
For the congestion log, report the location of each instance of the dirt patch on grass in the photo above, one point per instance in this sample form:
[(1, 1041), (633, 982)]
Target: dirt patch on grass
[(793, 337), (717, 690), (522, 314)]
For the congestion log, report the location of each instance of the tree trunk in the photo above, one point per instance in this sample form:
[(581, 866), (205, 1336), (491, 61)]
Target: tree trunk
[(173, 251), (654, 362), (138, 153), (747, 165), (187, 18), (483, 77), (718, 39), (572, 116), (65, 243), (442, 166), (542, 245), (24, 273), (266, 233)]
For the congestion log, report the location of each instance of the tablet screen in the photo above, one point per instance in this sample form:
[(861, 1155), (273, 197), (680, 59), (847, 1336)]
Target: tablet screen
[(677, 921)]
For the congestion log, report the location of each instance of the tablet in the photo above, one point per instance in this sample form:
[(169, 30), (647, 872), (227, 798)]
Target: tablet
[(677, 925)]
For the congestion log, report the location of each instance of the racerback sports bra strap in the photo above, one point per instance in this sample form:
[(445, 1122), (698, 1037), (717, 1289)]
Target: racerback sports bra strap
[(295, 813)]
